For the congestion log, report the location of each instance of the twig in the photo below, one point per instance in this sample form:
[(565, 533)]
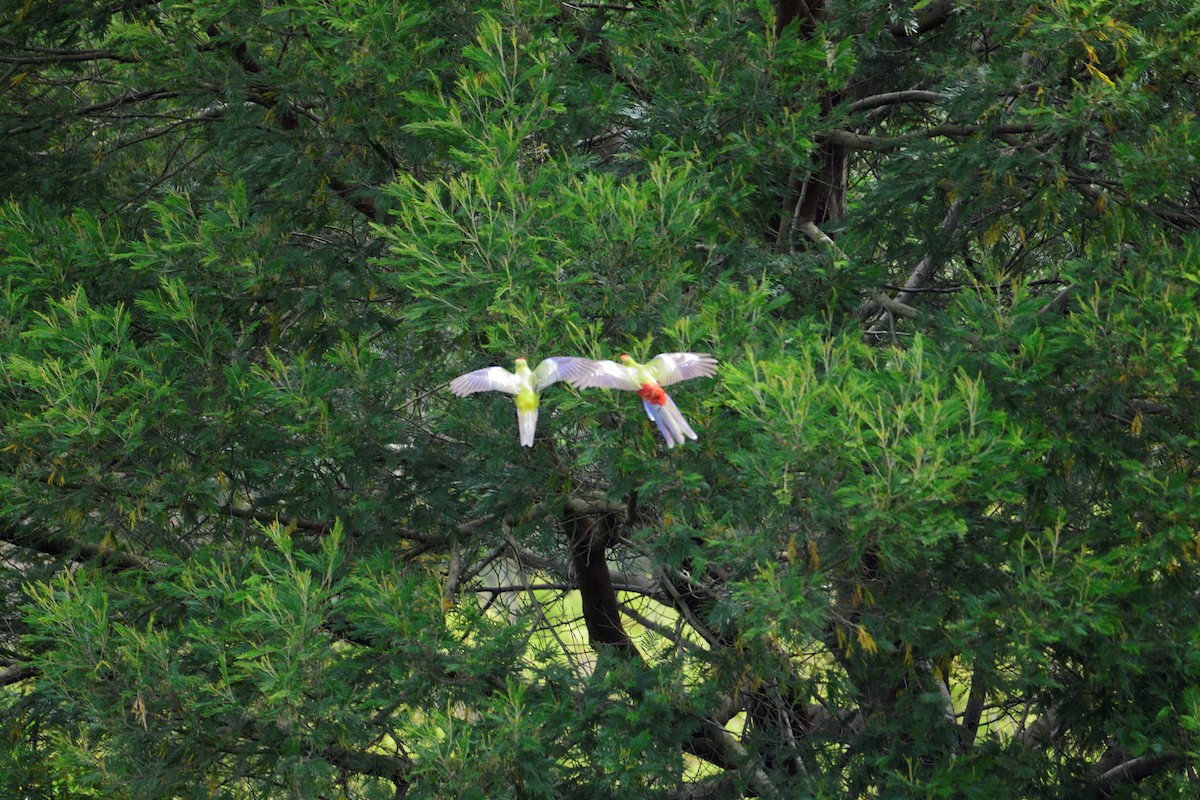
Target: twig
[(537, 605), (662, 630)]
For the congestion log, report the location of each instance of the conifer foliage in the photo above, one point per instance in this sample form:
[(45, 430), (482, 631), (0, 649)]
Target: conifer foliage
[(939, 536)]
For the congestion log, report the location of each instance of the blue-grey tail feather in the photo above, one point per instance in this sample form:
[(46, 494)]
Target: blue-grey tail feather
[(681, 424), (655, 415), (670, 422)]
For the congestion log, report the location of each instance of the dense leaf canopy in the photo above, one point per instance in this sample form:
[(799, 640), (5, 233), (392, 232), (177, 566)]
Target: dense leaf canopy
[(938, 537)]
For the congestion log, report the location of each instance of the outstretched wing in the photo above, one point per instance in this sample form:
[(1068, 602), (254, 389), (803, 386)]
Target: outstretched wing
[(671, 368), (560, 368), (488, 379), (608, 375)]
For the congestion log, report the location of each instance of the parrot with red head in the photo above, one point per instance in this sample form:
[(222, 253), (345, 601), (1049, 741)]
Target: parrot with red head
[(648, 381)]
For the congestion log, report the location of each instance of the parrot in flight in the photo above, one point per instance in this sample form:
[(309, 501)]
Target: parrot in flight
[(648, 381), (525, 383)]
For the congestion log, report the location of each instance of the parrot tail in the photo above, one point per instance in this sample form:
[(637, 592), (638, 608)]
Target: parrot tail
[(656, 413), (526, 425), (677, 422), (670, 421)]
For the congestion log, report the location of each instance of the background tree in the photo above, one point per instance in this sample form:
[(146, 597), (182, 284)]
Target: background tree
[(938, 536)]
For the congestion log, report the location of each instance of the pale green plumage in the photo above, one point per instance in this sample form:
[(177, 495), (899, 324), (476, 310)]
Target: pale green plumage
[(524, 384)]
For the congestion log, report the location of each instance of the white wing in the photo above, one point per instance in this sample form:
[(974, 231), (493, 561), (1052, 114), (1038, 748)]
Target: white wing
[(608, 375), (488, 379), (560, 368), (674, 367)]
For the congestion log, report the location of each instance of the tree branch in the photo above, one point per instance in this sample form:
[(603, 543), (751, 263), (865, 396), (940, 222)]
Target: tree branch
[(600, 6), (323, 528), (1133, 771), (893, 307), (589, 539), (15, 674), (973, 712), (887, 144), (1180, 219), (126, 98), (921, 274), (754, 774), (662, 630), (52, 543), (810, 229), (47, 55), (894, 98)]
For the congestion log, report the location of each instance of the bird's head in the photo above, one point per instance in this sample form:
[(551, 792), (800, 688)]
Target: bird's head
[(520, 362), (626, 358)]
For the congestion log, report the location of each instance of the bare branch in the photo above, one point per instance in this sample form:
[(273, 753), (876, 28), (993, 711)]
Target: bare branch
[(894, 98), (1180, 219), (1059, 303), (600, 6), (887, 144), (662, 630), (1136, 770), (755, 775), (689, 615), (47, 55), (567, 652), (921, 274), (1042, 732), (313, 526), (810, 229), (479, 566), (126, 98), (893, 307), (53, 543), (453, 575), (15, 674), (973, 713), (977, 287)]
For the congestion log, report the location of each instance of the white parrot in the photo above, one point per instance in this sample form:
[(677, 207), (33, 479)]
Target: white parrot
[(648, 381), (525, 383)]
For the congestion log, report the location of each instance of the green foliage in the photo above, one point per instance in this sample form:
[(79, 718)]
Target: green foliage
[(938, 536)]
